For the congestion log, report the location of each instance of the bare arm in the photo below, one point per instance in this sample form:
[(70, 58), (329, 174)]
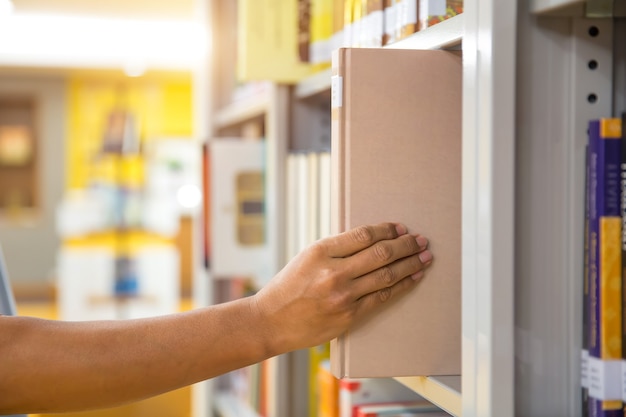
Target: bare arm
[(48, 366)]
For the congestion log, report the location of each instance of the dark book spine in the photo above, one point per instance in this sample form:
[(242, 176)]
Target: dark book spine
[(605, 329), (585, 327), (623, 241)]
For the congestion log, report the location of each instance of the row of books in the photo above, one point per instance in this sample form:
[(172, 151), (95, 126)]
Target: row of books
[(604, 337), (325, 25), (369, 397), (308, 199), (288, 41)]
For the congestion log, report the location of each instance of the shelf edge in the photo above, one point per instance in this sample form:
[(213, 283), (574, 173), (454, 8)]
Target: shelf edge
[(445, 35), (444, 392), (241, 111), (563, 8), (314, 85)]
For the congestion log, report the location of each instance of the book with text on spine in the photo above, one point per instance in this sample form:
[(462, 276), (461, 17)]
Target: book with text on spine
[(605, 263)]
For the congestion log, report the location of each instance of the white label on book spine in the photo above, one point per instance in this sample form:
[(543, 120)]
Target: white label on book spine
[(624, 380), (390, 19), (336, 91), (411, 12), (584, 368), (605, 379)]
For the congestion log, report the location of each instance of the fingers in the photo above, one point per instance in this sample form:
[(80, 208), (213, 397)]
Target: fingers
[(389, 275), (383, 253), (374, 299), (362, 237)]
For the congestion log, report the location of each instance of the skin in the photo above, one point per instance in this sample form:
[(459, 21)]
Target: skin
[(56, 366)]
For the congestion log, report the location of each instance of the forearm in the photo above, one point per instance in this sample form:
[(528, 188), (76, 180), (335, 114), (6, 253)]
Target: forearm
[(61, 366)]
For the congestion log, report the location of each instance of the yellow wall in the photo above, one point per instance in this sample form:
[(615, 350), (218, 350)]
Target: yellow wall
[(161, 104)]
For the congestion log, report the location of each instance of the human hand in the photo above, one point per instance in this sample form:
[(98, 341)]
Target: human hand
[(338, 280)]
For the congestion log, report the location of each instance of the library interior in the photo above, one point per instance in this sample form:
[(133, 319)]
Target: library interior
[(163, 156)]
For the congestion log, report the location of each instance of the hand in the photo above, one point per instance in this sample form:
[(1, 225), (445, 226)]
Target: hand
[(337, 281)]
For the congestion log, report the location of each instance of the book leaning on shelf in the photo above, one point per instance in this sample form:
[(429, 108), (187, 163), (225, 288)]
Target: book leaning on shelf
[(605, 263)]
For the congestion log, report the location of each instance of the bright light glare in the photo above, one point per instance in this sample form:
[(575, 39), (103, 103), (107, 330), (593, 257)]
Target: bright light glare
[(101, 42), (189, 196), (6, 8)]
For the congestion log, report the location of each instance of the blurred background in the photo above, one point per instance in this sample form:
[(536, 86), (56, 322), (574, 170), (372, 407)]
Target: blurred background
[(100, 160)]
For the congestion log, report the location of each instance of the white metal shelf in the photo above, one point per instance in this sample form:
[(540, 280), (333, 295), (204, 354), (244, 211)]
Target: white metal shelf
[(558, 7), (445, 35), (242, 110), (443, 391), (313, 85)]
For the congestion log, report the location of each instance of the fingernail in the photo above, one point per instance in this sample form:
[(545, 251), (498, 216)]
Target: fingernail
[(421, 241), (401, 229), (418, 275), (425, 256)]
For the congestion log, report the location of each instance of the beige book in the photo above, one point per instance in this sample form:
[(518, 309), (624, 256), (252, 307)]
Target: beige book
[(396, 156)]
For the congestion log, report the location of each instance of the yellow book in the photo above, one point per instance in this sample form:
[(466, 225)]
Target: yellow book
[(267, 42), (321, 33)]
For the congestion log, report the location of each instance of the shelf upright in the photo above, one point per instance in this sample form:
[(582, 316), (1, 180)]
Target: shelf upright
[(488, 184), (565, 73)]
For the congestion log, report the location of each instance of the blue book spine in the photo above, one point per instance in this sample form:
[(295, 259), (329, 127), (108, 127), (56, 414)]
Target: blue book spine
[(585, 328), (623, 241), (605, 311)]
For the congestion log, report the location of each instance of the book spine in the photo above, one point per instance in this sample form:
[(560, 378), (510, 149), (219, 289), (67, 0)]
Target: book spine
[(623, 241), (337, 347), (605, 341), (586, 298)]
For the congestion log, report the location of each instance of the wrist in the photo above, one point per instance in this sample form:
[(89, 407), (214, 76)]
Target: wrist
[(266, 329)]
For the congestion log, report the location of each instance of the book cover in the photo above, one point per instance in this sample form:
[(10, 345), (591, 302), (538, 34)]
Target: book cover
[(267, 42), (605, 311), (238, 217), (396, 156)]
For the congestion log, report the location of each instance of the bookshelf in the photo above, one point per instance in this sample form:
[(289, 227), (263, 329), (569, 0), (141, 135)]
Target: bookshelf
[(526, 101)]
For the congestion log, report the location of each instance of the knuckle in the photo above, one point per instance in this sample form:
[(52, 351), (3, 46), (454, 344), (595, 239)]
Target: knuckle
[(386, 276), (363, 234), (411, 244), (318, 248), (339, 303), (384, 294), (383, 252)]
